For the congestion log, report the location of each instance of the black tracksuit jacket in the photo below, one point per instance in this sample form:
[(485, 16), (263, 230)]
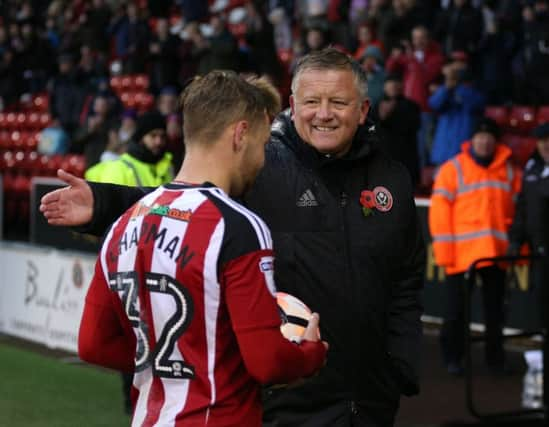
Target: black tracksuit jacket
[(363, 274), (531, 221)]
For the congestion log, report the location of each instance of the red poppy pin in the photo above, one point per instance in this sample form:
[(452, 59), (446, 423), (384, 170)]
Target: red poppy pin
[(379, 198)]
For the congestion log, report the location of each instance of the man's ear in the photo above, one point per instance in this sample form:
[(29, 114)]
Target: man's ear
[(239, 135), (364, 108), (292, 107)]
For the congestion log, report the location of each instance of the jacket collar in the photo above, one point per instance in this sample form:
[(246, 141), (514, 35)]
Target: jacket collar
[(502, 154), (283, 130)]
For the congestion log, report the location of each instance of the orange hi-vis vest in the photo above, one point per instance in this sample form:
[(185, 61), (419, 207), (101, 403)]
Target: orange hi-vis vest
[(472, 208)]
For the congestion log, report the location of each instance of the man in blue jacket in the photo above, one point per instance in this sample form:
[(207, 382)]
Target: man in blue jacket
[(458, 105)]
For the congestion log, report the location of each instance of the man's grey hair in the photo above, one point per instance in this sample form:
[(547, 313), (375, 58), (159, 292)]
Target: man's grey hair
[(331, 58)]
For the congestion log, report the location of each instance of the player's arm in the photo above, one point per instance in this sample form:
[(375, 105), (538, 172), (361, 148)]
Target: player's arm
[(268, 356), (104, 338), (91, 207)]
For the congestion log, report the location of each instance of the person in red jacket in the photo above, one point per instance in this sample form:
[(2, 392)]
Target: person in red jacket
[(183, 293), (420, 63), (472, 206)]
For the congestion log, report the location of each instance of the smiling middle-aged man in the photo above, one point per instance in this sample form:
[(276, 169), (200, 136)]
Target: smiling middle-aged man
[(346, 239)]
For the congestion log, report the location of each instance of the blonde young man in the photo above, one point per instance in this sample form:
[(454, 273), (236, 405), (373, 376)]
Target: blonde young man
[(183, 291)]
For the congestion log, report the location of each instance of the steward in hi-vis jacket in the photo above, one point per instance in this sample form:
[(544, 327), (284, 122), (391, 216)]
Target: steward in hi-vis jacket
[(472, 206)]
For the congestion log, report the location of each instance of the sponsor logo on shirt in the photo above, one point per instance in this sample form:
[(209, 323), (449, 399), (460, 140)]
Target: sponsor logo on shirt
[(162, 210)]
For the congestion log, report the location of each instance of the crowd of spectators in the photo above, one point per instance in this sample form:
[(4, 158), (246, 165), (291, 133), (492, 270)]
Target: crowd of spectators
[(432, 65)]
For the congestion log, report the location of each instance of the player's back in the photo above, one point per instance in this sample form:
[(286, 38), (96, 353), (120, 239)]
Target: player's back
[(164, 257)]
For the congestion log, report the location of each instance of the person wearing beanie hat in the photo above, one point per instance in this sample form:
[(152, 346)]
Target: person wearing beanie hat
[(487, 125), (472, 204), (146, 162)]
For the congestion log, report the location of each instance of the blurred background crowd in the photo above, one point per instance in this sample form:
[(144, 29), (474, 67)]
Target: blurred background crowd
[(76, 77)]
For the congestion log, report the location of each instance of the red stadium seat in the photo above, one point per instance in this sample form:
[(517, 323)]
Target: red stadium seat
[(21, 120), (41, 102), (116, 83), (11, 121), (128, 99), (522, 119), (33, 121), (74, 163), (521, 146), (144, 101), (3, 121), (127, 83), (31, 141), (18, 140), (5, 140), (499, 114), (542, 115), (45, 120), (141, 82)]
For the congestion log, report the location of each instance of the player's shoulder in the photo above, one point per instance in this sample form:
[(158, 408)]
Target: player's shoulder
[(240, 221)]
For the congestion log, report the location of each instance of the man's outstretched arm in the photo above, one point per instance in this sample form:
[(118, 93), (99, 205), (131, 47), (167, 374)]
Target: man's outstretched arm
[(89, 206)]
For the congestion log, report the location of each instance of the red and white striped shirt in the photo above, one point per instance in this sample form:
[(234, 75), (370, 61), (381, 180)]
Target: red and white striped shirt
[(183, 295)]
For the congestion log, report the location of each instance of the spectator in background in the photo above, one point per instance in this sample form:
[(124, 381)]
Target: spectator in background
[(397, 25), (98, 18), (459, 28), (458, 105), (495, 54), (174, 137), (69, 90), (420, 64), (471, 207), (34, 58), (163, 60), (372, 64), (53, 140), (398, 120), (194, 11), (188, 65), (115, 147), (146, 163), (92, 137), (316, 38), (10, 79), (92, 66), (131, 36), (532, 61), (128, 123), (262, 54), (282, 28), (366, 37), (530, 224), (166, 102), (219, 50)]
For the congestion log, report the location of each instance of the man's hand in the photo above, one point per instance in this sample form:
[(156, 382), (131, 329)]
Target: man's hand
[(71, 205), (312, 332)]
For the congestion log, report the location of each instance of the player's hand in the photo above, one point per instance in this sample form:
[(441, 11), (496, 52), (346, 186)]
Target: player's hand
[(311, 332), (71, 205)]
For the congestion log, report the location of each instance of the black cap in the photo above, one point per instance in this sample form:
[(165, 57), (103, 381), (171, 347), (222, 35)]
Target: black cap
[(147, 123), (542, 131), (488, 125)]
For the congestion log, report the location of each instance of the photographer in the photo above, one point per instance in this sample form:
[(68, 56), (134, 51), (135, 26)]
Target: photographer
[(458, 105)]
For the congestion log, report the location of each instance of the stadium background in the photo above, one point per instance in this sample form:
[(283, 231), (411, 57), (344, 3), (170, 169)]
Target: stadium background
[(118, 52)]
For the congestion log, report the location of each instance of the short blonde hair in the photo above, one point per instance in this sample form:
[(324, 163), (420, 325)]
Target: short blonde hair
[(212, 102)]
